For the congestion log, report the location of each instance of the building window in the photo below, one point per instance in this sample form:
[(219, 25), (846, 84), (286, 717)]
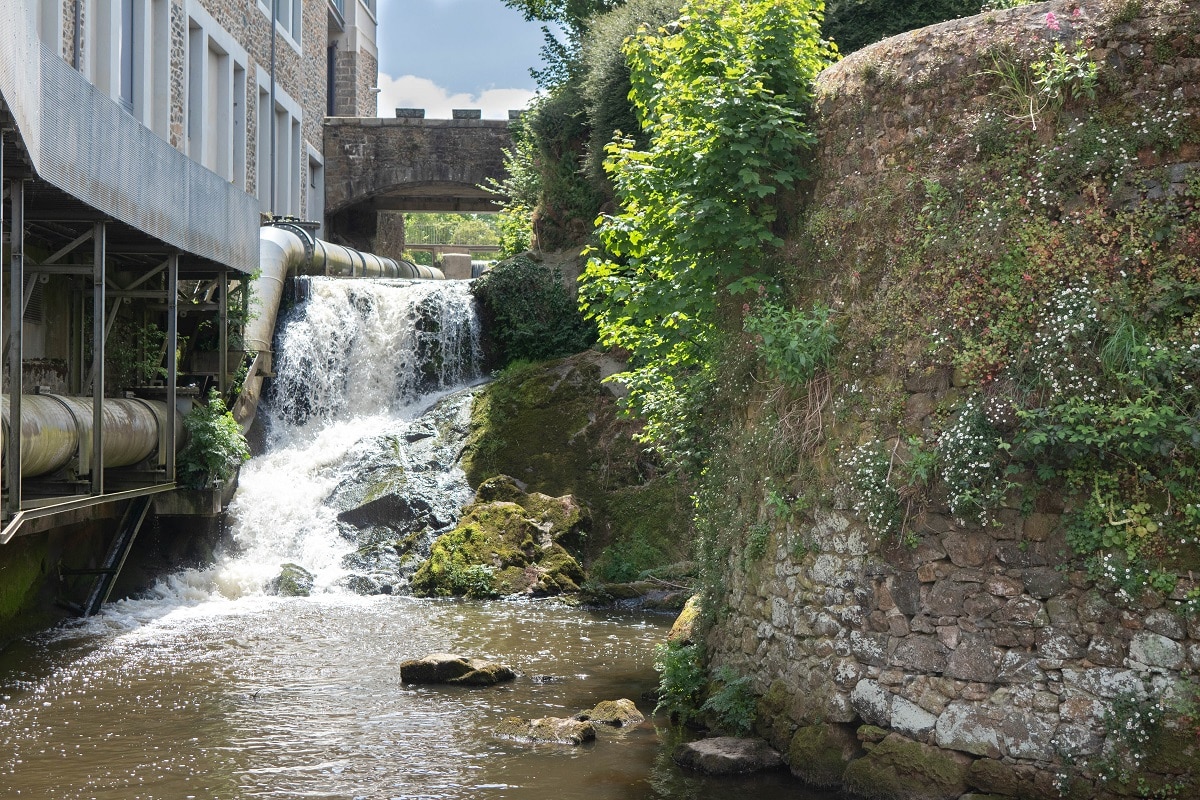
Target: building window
[(289, 18), (126, 48), (216, 102), (50, 24), (285, 148), (315, 209)]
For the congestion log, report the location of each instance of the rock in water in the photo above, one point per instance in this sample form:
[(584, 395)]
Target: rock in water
[(617, 713), (506, 542), (455, 670), (727, 755), (546, 730), (293, 581)]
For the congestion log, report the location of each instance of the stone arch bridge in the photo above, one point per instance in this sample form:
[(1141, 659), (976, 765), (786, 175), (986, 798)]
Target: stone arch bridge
[(375, 165)]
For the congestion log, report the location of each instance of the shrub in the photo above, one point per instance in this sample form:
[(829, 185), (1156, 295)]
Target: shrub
[(215, 446), (681, 680), (734, 706), (530, 313)]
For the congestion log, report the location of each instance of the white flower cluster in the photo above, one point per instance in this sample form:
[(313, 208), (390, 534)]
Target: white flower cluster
[(1062, 350), (972, 464), (875, 500)]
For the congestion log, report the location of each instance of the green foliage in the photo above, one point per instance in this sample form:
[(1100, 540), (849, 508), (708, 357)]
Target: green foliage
[(605, 80), (973, 458), (793, 343), (531, 315), (681, 680), (721, 97), (854, 24), (451, 229), (215, 447), (133, 354), (517, 193), (1064, 74), (734, 706)]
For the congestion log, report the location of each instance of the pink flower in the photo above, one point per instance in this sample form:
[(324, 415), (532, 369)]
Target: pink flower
[(1052, 21), (1078, 12)]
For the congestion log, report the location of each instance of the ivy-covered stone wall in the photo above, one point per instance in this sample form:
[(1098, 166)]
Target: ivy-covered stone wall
[(899, 649)]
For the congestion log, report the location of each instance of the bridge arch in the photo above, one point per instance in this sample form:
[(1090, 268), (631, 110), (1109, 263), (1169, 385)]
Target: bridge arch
[(375, 165)]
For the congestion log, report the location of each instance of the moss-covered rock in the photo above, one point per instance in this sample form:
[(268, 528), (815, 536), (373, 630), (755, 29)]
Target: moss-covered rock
[(555, 427), (684, 628), (621, 713), (818, 754), (551, 730), (293, 581), (506, 545), (455, 670), (901, 769)]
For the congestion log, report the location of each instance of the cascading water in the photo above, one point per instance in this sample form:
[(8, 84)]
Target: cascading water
[(358, 362)]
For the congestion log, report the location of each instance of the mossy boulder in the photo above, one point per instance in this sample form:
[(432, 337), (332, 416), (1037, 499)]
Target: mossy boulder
[(455, 670), (621, 713), (507, 542), (818, 754), (548, 730), (683, 630), (727, 755), (293, 580), (556, 427), (900, 769)]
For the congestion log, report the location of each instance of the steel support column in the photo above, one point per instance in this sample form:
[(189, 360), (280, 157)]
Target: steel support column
[(99, 256), (223, 332), (16, 286), (172, 356)]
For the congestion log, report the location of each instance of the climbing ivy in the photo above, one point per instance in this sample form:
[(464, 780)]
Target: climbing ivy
[(721, 96)]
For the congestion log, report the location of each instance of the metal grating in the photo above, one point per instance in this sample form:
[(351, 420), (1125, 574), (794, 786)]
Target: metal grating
[(85, 144)]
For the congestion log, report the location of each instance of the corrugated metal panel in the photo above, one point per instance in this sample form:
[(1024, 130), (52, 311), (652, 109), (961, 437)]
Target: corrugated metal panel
[(85, 144), (20, 71)]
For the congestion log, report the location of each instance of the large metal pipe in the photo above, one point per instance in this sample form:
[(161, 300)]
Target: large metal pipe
[(285, 247), (56, 429)]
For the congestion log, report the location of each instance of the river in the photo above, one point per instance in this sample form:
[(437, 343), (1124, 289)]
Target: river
[(210, 687)]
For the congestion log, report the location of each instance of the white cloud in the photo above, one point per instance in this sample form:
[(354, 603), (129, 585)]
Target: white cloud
[(409, 91)]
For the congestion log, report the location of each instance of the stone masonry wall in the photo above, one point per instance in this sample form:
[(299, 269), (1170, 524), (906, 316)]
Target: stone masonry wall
[(987, 650)]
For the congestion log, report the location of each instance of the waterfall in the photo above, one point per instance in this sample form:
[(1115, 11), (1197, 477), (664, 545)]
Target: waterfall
[(367, 411)]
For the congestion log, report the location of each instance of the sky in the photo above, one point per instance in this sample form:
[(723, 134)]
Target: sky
[(445, 54)]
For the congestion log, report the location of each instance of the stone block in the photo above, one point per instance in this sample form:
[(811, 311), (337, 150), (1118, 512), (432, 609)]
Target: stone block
[(869, 648), (466, 113), (1166, 623), (973, 660), (911, 720), (1106, 651), (970, 549), (818, 754), (872, 702), (901, 769), (966, 727), (1055, 643), (1044, 582), (920, 653), (947, 597), (1153, 650), (410, 113)]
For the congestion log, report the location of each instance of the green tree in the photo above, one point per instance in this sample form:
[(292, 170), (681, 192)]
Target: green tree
[(721, 95)]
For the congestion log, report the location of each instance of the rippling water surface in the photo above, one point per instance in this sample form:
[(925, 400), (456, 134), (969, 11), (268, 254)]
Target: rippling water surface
[(300, 698)]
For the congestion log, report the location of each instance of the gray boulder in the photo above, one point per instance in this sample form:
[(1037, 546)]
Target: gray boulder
[(551, 730), (727, 755)]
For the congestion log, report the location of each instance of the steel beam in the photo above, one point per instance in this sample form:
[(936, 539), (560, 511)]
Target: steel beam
[(172, 355), (99, 240), (16, 285)]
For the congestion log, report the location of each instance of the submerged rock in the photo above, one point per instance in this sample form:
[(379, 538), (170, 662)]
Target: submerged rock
[(507, 542), (617, 713), (455, 670), (553, 730), (727, 755), (898, 768), (293, 581)]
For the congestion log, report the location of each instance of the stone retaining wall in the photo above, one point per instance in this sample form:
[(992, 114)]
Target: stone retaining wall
[(982, 658)]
